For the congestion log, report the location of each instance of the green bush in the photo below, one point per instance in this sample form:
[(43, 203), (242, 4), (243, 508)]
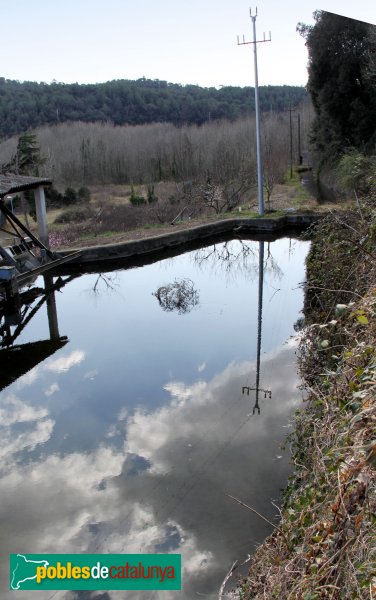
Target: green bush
[(134, 199), (74, 215), (70, 196), (83, 194), (151, 195), (53, 197), (357, 171)]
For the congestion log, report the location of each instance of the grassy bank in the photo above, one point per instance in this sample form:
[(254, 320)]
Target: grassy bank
[(326, 545), (109, 217)]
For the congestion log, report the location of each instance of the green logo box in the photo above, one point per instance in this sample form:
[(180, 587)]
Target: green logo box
[(95, 572)]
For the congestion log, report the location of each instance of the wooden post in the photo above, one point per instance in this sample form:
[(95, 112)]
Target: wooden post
[(51, 308), (40, 207)]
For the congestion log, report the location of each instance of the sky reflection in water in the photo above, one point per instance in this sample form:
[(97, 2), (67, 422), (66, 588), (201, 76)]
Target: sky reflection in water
[(129, 438)]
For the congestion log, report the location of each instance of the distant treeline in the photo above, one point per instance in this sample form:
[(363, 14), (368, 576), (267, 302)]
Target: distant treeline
[(82, 154), (28, 105)]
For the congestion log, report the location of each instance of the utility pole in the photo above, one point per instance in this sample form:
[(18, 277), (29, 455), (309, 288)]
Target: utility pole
[(299, 158), (299, 142), (257, 109), (291, 110)]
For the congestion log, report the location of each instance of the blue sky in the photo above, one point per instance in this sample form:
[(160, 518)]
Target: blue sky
[(194, 42)]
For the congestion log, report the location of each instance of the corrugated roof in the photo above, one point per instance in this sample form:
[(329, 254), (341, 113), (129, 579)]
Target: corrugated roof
[(11, 184)]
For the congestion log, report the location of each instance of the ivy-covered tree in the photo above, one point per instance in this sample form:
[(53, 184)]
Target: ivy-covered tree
[(342, 96)]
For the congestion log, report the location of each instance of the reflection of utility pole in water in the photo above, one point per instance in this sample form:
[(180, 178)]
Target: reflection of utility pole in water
[(51, 307), (257, 389)]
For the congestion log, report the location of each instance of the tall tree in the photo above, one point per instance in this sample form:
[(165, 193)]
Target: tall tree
[(27, 159), (370, 67), (343, 98)]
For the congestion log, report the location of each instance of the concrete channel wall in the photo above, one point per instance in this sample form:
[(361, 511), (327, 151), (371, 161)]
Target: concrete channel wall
[(154, 248)]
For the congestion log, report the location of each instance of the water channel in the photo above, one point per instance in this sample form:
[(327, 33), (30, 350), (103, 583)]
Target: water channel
[(128, 434)]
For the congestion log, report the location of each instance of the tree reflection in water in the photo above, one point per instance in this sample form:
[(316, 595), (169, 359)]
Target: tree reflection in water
[(180, 296), (237, 259)]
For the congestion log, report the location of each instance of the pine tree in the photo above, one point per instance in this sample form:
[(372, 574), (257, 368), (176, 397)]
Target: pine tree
[(343, 98), (27, 159)]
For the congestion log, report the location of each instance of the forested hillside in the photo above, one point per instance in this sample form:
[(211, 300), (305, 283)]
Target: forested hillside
[(27, 105)]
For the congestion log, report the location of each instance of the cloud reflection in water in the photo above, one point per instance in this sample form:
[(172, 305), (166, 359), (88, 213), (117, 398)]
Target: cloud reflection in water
[(165, 489)]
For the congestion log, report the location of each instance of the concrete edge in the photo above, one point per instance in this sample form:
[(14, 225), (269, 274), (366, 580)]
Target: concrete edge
[(274, 227)]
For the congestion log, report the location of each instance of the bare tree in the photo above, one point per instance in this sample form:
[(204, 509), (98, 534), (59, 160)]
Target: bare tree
[(237, 257), (179, 296), (275, 153)]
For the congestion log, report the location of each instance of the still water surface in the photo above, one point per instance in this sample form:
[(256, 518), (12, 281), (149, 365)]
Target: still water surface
[(129, 438)]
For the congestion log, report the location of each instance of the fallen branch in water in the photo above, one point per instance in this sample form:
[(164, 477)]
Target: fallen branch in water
[(261, 517), (222, 588)]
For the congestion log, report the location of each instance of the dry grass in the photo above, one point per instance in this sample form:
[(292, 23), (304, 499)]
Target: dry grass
[(112, 218), (119, 194), (330, 507), (118, 221), (328, 546)]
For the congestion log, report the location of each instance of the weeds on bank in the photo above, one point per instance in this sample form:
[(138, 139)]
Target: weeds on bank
[(301, 194), (329, 513)]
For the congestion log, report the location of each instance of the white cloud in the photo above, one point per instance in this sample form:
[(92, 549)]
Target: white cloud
[(52, 389), (28, 378), (91, 374), (10, 443), (160, 492), (123, 414), (13, 410), (65, 363)]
